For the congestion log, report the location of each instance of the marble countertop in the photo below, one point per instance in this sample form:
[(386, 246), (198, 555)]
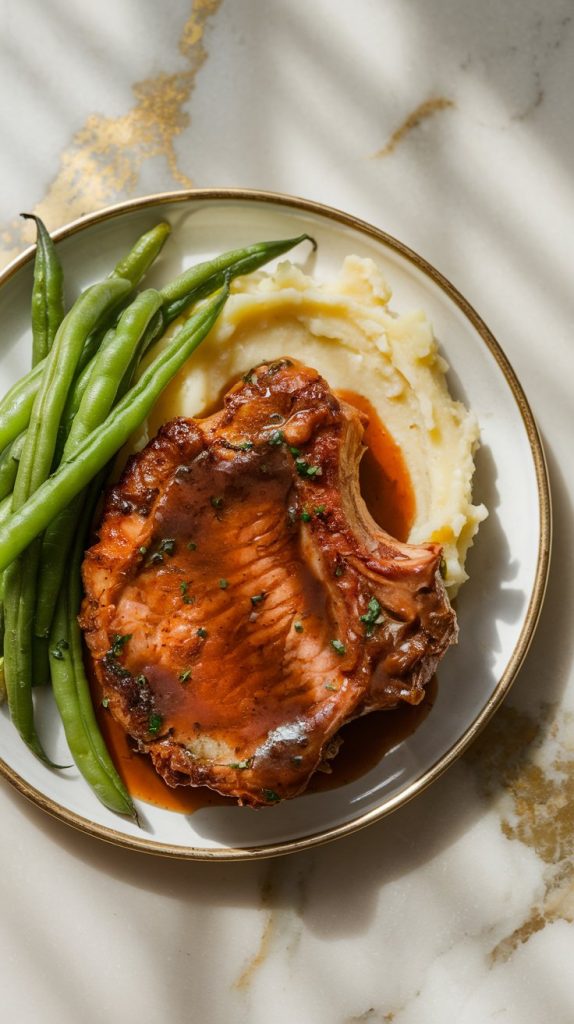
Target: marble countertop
[(449, 125)]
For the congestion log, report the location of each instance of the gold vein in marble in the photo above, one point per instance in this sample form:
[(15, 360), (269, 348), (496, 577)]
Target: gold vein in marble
[(259, 957), (106, 156), (371, 1016), (421, 113), (284, 896), (511, 757)]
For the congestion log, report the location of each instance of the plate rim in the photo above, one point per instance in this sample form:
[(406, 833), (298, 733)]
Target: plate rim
[(534, 608)]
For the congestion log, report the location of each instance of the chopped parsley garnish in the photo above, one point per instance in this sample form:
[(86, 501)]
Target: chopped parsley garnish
[(216, 502), (250, 377), (57, 652), (320, 510), (298, 627), (106, 702), (141, 680), (276, 438), (276, 417), (297, 758), (339, 570), (243, 446), (329, 686), (304, 469), (271, 796), (118, 643), (202, 633), (306, 516), (143, 550), (155, 723), (165, 547), (191, 546), (258, 598), (241, 766), (184, 676), (223, 584), (294, 451), (339, 647), (187, 597), (371, 617)]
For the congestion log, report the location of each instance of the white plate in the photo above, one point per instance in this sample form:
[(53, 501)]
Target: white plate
[(498, 609)]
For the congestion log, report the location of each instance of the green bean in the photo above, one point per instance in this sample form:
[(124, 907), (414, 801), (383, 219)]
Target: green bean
[(2, 682), (76, 392), (189, 287), (33, 469), (186, 288), (79, 386), (201, 280), (136, 264), (40, 661), (83, 378), (9, 465), (5, 507), (100, 393), (132, 267), (47, 293), (72, 691), (109, 367), (99, 447), (38, 451), (47, 315), (16, 405), (19, 586)]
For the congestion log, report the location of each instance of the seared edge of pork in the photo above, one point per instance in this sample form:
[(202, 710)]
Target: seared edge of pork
[(242, 605)]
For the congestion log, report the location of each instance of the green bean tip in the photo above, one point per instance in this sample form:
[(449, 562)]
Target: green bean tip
[(309, 238)]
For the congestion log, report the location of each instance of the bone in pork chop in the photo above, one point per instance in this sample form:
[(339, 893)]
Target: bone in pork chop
[(241, 604)]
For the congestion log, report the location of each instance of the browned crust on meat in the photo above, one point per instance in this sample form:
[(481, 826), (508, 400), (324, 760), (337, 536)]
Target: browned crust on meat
[(230, 628)]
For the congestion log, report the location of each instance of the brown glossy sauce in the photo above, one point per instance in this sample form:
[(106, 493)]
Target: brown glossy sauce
[(368, 739), (388, 494), (139, 775)]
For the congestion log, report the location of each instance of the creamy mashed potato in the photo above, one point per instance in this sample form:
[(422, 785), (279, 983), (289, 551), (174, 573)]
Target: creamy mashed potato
[(345, 330)]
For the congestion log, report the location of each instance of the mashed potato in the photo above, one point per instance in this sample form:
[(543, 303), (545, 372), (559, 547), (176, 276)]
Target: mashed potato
[(345, 330)]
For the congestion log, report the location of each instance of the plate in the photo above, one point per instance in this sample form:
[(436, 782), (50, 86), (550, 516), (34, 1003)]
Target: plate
[(498, 609)]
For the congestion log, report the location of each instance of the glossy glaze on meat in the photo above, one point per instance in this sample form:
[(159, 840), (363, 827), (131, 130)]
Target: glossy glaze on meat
[(241, 604)]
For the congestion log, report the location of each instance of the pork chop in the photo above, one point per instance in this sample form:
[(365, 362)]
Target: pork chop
[(241, 604)]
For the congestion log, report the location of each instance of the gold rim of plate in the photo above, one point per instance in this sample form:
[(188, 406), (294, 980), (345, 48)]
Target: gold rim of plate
[(543, 563)]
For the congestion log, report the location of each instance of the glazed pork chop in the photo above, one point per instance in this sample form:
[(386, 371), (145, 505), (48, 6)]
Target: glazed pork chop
[(241, 604)]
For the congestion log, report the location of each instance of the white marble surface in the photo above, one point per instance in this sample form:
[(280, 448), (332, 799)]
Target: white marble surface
[(460, 906)]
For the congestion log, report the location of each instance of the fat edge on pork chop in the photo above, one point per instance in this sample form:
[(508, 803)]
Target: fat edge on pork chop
[(241, 605)]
